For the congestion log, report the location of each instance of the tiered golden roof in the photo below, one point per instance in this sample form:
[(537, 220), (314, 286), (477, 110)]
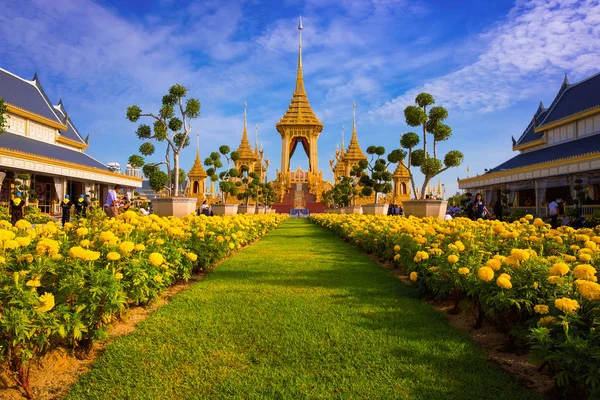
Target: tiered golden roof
[(299, 111), (245, 150), (354, 152), (197, 170), (401, 171)]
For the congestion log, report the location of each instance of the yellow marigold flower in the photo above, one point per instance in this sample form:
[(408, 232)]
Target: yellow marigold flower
[(520, 254), (591, 245), (555, 280), (558, 239), (139, 247), (396, 248), (6, 234), (23, 224), (106, 236), (232, 246), (33, 283), (126, 247), (541, 309), (559, 269), (485, 274), (26, 257), (494, 264), (220, 239), (191, 256), (113, 256), (160, 242), (584, 271), (589, 290), (574, 247), (414, 276), (158, 278), (433, 269), (528, 217), (503, 283), (536, 285), (505, 276), (11, 244), (569, 258), (82, 231), (396, 257), (85, 243), (91, 255), (47, 246), (452, 259), (420, 256), (156, 259), (463, 271), (118, 276), (538, 223), (23, 241), (566, 305), (547, 320), (46, 302), (585, 257), (459, 245)]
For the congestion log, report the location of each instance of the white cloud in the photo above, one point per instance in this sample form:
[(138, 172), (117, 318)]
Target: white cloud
[(538, 42)]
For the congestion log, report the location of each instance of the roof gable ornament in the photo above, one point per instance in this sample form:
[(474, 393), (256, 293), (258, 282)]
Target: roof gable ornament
[(514, 142), (87, 139)]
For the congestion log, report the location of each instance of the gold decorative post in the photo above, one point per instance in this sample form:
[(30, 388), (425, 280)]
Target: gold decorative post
[(197, 176)]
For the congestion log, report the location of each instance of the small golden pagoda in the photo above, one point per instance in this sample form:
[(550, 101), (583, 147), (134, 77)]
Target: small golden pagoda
[(196, 178), (247, 156), (353, 155), (401, 179)]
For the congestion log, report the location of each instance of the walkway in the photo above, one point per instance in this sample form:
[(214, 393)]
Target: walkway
[(300, 314)]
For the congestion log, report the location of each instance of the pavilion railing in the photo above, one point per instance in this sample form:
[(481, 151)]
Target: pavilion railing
[(586, 210)]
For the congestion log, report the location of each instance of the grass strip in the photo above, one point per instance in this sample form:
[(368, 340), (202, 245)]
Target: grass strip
[(300, 314)]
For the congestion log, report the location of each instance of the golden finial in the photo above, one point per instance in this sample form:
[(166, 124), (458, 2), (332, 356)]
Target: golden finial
[(353, 122), (300, 78), (468, 171), (197, 145), (343, 144), (256, 141)]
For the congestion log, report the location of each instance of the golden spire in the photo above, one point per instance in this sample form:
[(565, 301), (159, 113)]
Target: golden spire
[(343, 145), (197, 170), (256, 141), (299, 111), (245, 150), (354, 151), (300, 77)]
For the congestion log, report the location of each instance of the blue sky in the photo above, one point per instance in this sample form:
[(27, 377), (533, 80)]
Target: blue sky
[(488, 62)]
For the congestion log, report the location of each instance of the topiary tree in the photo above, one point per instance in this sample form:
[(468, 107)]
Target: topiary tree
[(374, 174), (225, 178), (266, 194), (431, 123), (250, 182), (170, 126), (3, 116)]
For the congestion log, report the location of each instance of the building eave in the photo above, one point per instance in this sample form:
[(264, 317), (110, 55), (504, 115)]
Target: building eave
[(70, 142), (568, 119), (529, 145), (34, 117)]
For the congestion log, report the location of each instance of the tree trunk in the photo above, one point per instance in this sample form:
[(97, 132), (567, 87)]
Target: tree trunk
[(425, 182), (425, 135), (434, 148), (176, 159)]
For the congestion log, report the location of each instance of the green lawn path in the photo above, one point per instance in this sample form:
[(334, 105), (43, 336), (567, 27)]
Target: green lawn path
[(300, 314)]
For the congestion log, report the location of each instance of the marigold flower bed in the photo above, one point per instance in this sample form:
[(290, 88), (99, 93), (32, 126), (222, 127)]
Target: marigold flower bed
[(63, 286), (539, 282)]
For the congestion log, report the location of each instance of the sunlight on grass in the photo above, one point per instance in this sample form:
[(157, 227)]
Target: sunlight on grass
[(300, 314)]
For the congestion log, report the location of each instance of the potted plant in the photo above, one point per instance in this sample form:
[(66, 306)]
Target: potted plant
[(430, 167), (171, 125), (352, 183), (375, 177), (266, 194), (225, 179), (250, 181)]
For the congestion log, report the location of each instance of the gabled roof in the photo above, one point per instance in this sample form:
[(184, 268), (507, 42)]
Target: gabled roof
[(26, 95), (71, 133), (574, 148), (530, 134), (23, 144), (573, 99)]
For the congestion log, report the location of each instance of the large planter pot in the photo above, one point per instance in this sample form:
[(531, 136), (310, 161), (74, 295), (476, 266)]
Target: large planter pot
[(425, 208), (375, 209), (173, 206), (353, 210), (261, 210), (246, 209), (271, 211), (224, 209)]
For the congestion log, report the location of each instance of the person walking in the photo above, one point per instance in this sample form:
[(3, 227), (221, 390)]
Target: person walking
[(17, 209), (553, 212), (111, 205), (66, 205), (81, 206)]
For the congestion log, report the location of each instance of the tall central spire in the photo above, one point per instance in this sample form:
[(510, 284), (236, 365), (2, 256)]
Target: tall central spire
[(354, 138), (300, 77), (245, 150)]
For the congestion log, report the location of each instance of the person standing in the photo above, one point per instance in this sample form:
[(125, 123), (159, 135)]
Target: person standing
[(479, 208), (553, 212), (111, 205), (66, 205), (81, 207), (498, 211), (17, 209)]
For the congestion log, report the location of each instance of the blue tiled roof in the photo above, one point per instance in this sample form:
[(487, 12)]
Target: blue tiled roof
[(574, 148), (27, 145), (25, 95), (71, 132), (575, 98)]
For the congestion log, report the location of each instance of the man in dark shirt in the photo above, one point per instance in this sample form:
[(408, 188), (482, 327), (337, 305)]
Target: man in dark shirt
[(81, 206), (66, 209), (17, 209)]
